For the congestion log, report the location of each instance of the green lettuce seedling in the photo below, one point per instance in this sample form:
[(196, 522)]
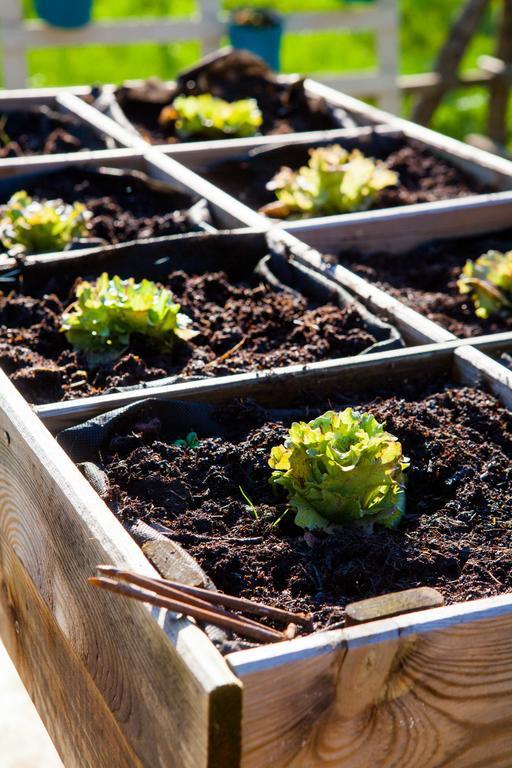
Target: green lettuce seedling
[(212, 117), (334, 181), (190, 441), (105, 314), (488, 281), (29, 226), (342, 467)]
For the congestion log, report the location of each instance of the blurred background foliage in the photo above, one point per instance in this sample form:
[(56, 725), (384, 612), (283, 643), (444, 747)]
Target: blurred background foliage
[(423, 28)]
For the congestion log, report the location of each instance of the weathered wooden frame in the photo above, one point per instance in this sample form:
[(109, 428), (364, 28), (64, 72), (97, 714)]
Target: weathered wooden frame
[(13, 100), (152, 164), (381, 233), (117, 683), (311, 702)]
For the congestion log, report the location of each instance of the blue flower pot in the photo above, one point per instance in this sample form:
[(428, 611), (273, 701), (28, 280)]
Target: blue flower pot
[(265, 42), (64, 13)]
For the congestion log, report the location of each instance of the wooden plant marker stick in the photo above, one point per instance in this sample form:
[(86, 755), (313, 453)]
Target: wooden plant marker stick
[(219, 598), (161, 588), (234, 623), (393, 604)]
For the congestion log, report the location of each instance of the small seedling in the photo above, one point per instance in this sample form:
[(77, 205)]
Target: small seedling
[(334, 181), (191, 441), (107, 312), (251, 504), (211, 117), (488, 281), (340, 468), (30, 226)]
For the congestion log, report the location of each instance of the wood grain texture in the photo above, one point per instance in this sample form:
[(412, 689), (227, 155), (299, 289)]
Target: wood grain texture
[(429, 689), (392, 604), (486, 213), (266, 385), (113, 158), (360, 370), (110, 677)]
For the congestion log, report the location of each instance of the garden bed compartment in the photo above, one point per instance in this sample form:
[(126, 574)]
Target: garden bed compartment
[(230, 75), (254, 309), (303, 702), (126, 204), (424, 177), (480, 224)]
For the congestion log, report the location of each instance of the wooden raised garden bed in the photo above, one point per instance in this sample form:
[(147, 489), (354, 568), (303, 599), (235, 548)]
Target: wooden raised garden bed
[(313, 701), (119, 683)]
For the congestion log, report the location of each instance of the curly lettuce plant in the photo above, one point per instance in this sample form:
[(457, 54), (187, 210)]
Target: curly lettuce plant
[(106, 313), (342, 467), (30, 226), (488, 281), (212, 117), (334, 181)]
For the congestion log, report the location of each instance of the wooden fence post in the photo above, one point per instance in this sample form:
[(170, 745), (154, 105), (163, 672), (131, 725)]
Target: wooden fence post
[(388, 45), (449, 58), (13, 55), (500, 87)]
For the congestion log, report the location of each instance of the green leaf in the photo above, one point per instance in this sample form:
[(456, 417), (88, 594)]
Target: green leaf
[(105, 314), (29, 226), (342, 467), (334, 181), (211, 117), (488, 281)]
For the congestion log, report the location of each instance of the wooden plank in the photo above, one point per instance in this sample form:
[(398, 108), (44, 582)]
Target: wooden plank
[(476, 368), (20, 97), (425, 689), (108, 681), (388, 51), (13, 55), (426, 81), (129, 159), (369, 84), (392, 604), (197, 154), (34, 34), (380, 15), (499, 91), (450, 55), (479, 215), (58, 416)]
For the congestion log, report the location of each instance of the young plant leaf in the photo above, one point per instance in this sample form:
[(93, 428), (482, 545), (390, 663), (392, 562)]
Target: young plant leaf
[(105, 314), (211, 117), (488, 281), (340, 468), (334, 181), (29, 226)]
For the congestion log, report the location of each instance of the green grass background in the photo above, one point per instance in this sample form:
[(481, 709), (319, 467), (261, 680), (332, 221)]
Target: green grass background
[(424, 24)]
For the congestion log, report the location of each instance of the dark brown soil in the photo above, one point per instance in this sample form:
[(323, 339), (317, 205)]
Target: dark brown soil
[(456, 536), (244, 326), (43, 131), (424, 177), (426, 280), (123, 206)]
